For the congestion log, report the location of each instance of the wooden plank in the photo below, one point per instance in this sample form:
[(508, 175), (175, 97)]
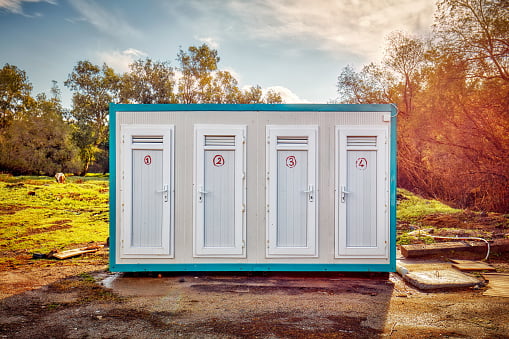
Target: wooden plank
[(470, 265), (498, 284), (499, 246), (442, 248), (75, 252)]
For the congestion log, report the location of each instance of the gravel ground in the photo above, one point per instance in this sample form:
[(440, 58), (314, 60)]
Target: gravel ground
[(82, 300)]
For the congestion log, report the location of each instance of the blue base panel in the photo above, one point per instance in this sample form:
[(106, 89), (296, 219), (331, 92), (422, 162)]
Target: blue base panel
[(253, 268)]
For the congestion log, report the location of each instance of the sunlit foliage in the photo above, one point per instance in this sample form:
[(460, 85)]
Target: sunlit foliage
[(452, 91)]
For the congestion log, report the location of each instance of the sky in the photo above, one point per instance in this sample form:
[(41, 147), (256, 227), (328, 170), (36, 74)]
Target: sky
[(297, 47)]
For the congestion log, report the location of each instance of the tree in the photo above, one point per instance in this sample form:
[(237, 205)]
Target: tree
[(40, 142), (404, 55), (272, 97), (201, 81), (14, 94), (148, 82), (196, 67), (453, 94), (372, 85), (94, 88), (478, 32)]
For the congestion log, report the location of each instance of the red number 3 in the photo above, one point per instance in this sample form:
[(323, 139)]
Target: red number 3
[(291, 161)]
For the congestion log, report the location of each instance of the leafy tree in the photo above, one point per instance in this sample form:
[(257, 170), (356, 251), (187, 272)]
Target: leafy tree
[(14, 94), (148, 82), (453, 95), (94, 88), (372, 85), (196, 67), (405, 55), (39, 143), (251, 95), (202, 82), (197, 79), (478, 32), (272, 97)]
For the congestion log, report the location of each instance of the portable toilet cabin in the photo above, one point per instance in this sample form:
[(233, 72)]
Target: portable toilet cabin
[(220, 187)]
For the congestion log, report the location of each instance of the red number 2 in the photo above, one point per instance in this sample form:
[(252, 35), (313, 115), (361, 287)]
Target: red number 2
[(218, 160)]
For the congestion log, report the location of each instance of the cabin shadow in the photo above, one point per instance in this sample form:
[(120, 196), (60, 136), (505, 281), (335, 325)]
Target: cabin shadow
[(272, 304), (244, 305)]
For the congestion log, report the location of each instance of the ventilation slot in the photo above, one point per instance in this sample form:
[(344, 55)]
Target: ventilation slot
[(148, 139), (356, 141), (292, 140), (219, 140)]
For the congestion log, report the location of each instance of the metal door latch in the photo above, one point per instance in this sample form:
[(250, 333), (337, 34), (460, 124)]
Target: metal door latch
[(309, 192), (164, 191), (344, 192), (201, 193)]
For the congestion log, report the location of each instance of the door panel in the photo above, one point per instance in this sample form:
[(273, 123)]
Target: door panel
[(362, 196), (291, 197), (219, 202), (219, 208), (361, 205), (147, 191), (147, 202)]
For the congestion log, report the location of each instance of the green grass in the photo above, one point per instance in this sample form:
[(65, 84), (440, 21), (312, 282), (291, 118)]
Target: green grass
[(39, 215), (412, 208)]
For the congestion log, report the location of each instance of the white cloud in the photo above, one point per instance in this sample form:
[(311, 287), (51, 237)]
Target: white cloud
[(120, 61), (16, 6), (286, 94), (211, 42), (104, 21), (356, 26)]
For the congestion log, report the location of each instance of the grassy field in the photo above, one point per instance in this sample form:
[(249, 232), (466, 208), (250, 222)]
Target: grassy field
[(417, 217), (39, 215)]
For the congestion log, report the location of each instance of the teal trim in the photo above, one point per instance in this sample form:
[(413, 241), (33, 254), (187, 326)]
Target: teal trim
[(393, 184), (113, 184), (252, 267), (298, 267), (252, 107)]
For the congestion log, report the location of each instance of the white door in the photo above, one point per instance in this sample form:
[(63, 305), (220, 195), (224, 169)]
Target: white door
[(147, 191), (291, 191), (219, 224), (362, 196)]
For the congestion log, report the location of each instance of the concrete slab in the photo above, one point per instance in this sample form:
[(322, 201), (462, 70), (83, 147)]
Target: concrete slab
[(434, 275), (441, 279)]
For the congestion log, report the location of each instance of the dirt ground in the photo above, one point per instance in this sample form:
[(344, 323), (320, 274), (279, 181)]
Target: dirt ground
[(79, 298)]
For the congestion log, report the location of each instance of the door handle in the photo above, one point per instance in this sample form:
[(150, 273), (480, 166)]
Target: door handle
[(344, 192), (309, 192), (164, 191), (201, 193)]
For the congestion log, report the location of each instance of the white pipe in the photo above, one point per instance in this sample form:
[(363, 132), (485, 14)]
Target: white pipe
[(464, 238)]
